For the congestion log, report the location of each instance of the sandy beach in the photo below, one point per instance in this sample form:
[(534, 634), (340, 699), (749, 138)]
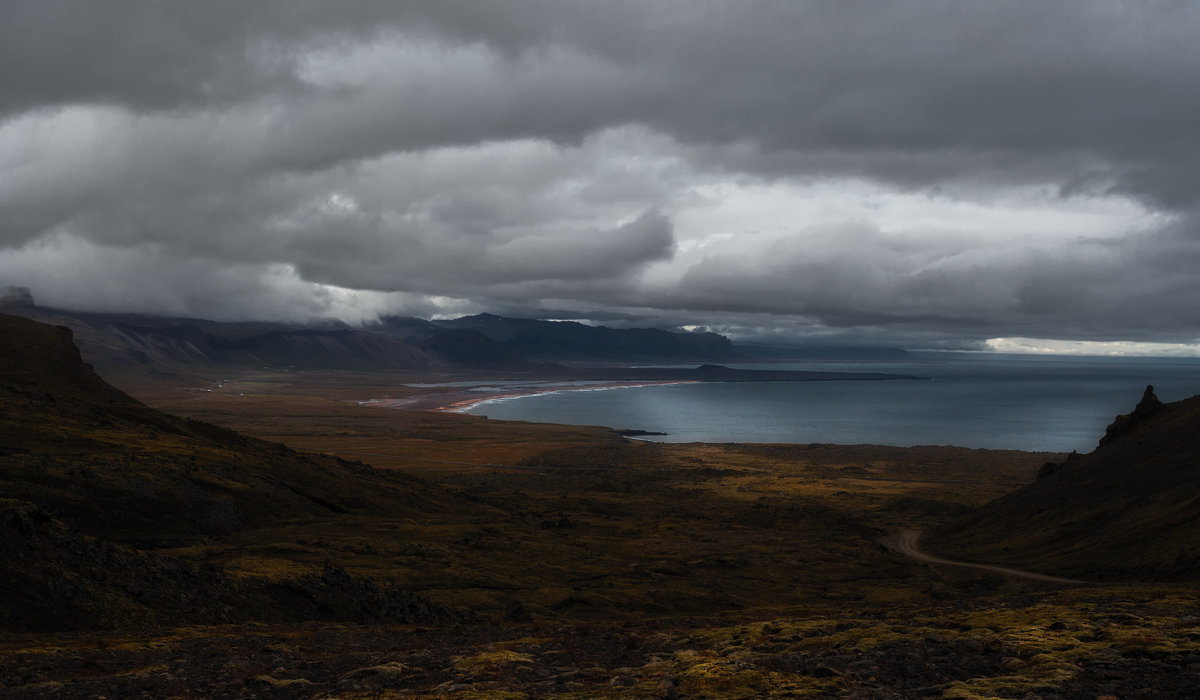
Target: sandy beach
[(465, 398), (465, 394)]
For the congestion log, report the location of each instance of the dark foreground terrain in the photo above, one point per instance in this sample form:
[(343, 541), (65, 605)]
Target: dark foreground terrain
[(385, 553), (1123, 643)]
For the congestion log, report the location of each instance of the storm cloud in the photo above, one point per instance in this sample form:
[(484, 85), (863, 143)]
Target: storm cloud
[(906, 171)]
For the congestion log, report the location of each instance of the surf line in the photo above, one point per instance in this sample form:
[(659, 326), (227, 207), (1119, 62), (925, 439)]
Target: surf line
[(467, 404)]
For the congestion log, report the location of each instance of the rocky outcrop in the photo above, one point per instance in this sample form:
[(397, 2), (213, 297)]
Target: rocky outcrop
[(1125, 511), (1147, 407), (1051, 467)]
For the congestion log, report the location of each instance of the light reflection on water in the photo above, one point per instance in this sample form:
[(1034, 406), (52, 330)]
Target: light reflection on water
[(985, 401)]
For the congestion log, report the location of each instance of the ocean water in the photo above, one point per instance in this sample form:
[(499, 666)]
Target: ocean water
[(976, 400)]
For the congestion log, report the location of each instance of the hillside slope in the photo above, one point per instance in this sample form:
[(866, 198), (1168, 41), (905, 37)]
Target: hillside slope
[(73, 444), (124, 342), (132, 345), (1128, 510), (89, 477)]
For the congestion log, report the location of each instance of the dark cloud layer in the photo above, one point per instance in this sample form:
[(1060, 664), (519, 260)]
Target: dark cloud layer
[(920, 170)]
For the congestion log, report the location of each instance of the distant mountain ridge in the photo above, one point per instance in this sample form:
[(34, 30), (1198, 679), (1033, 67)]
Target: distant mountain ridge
[(162, 346), (1130, 509), (154, 345), (821, 353), (573, 341), (124, 342)]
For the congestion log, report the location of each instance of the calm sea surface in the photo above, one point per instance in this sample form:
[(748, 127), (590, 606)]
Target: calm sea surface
[(972, 400)]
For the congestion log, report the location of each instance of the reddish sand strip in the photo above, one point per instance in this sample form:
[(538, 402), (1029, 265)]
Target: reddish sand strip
[(465, 404), (464, 400)]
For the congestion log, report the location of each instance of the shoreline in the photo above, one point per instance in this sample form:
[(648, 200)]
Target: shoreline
[(464, 400), (468, 395)]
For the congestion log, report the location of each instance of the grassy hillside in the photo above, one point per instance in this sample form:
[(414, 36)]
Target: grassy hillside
[(91, 454), (91, 479), (1128, 510)]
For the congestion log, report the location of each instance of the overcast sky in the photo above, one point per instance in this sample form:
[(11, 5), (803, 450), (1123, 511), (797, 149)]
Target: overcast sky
[(914, 172)]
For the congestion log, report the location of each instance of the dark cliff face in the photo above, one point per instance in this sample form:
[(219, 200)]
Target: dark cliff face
[(320, 349), (1126, 510), (468, 347), (122, 344), (41, 360), (572, 341)]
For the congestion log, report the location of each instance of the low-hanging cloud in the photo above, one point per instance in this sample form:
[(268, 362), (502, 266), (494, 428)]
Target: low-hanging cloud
[(928, 170)]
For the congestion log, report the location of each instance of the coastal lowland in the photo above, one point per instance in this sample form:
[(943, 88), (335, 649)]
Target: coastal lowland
[(273, 533), (464, 394)]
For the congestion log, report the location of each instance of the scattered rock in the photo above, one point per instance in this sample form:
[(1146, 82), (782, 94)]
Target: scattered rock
[(1148, 406)]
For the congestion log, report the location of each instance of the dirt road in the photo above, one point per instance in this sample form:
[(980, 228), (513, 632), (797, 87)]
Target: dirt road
[(907, 540)]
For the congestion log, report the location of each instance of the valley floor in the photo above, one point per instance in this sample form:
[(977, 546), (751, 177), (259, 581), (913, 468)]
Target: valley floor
[(595, 566)]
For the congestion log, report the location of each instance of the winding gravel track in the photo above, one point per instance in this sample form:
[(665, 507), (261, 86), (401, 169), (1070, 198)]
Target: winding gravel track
[(907, 540)]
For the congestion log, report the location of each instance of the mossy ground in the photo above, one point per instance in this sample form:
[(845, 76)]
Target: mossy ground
[(1069, 644), (645, 570)]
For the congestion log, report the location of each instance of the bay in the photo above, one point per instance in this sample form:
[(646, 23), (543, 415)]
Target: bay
[(1027, 402)]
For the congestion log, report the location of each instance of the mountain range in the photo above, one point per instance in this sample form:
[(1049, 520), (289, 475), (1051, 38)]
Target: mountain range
[(166, 346)]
